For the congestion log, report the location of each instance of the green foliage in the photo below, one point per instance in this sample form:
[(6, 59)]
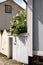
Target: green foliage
[(18, 23)]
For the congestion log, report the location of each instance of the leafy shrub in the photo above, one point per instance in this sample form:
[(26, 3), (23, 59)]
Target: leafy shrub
[(18, 23)]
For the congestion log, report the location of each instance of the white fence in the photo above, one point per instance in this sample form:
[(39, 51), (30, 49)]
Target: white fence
[(4, 43), (14, 46)]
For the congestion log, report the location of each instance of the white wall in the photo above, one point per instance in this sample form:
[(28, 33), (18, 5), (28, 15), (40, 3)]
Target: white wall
[(20, 49), (15, 47), (30, 27), (4, 43)]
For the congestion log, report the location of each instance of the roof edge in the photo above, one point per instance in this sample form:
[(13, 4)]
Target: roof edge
[(13, 2)]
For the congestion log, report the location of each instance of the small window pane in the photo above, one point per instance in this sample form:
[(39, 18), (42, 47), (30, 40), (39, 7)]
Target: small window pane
[(8, 9)]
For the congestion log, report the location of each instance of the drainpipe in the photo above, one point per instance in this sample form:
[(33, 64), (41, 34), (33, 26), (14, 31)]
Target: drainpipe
[(25, 1)]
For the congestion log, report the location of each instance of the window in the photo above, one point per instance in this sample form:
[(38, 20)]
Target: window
[(8, 9)]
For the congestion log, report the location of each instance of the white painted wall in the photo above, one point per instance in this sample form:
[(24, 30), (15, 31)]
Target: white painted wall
[(20, 49), (15, 47), (5, 44), (30, 27)]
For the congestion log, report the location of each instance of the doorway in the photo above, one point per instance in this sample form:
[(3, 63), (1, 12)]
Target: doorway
[(10, 47)]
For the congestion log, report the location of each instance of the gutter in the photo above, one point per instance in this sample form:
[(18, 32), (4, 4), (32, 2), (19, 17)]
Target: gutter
[(25, 1)]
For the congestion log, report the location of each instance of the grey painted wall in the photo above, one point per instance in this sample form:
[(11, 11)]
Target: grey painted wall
[(38, 25)]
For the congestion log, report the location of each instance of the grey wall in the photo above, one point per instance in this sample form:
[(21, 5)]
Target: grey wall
[(38, 24)]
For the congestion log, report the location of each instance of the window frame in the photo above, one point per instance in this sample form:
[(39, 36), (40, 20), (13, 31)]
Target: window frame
[(6, 9)]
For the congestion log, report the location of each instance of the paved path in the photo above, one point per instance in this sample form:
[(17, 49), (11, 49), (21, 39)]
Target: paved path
[(5, 61)]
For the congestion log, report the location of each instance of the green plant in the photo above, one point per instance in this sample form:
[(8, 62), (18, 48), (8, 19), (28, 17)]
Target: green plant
[(18, 23)]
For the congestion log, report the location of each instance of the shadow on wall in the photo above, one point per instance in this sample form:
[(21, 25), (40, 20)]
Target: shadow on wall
[(23, 39), (37, 24), (35, 27)]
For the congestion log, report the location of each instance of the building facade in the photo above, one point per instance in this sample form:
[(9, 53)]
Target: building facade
[(35, 26), (8, 9)]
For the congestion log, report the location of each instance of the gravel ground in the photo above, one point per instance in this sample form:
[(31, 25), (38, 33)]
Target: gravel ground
[(5, 61)]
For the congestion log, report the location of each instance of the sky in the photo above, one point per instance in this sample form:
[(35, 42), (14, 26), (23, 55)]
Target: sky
[(20, 2)]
